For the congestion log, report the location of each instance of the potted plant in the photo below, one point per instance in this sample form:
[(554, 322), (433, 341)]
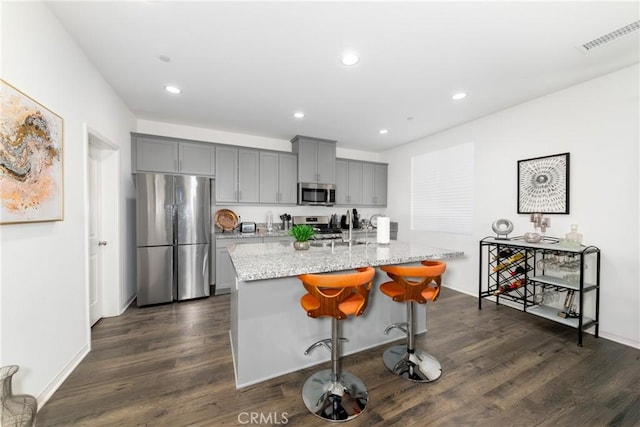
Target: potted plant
[(302, 233)]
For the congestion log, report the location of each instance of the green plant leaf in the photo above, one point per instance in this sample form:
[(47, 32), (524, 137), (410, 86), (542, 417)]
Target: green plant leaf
[(302, 232)]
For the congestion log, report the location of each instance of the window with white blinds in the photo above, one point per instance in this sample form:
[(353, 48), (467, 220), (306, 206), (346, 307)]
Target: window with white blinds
[(442, 190)]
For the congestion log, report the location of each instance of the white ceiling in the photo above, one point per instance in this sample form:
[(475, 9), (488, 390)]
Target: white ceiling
[(247, 66)]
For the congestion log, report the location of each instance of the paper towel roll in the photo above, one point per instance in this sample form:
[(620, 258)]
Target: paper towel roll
[(382, 252), (383, 230)]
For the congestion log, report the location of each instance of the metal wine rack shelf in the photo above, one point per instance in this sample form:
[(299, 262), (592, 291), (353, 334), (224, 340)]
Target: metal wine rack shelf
[(526, 273)]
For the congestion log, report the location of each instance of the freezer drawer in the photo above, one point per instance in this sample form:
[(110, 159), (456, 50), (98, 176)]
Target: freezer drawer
[(193, 271), (155, 275)]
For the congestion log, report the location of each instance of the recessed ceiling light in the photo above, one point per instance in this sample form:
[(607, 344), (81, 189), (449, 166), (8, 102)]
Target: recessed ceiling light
[(173, 89), (298, 115), (458, 96), (383, 131), (350, 58)]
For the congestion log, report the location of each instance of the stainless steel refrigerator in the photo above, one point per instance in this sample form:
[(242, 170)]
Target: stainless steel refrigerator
[(173, 237)]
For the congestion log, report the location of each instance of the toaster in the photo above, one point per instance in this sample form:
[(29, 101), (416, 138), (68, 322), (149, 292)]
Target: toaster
[(248, 227)]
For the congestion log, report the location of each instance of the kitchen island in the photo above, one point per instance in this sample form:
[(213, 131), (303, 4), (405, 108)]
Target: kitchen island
[(269, 329)]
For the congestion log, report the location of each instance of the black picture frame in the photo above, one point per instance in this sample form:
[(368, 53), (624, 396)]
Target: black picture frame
[(543, 184)]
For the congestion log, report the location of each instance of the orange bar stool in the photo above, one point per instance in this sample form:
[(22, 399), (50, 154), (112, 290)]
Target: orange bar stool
[(333, 394), (412, 284)]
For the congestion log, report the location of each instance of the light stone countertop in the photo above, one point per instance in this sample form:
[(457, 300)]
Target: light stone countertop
[(259, 261)]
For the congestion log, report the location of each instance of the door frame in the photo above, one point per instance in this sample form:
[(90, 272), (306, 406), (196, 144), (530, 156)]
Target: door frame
[(110, 184)]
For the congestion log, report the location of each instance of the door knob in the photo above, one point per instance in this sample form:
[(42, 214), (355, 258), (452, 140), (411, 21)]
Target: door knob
[(102, 243)]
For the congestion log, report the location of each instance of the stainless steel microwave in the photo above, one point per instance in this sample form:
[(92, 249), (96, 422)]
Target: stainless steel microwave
[(310, 193)]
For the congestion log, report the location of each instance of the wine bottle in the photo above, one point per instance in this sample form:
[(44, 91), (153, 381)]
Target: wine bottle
[(503, 254), (512, 259), (521, 269), (509, 287)]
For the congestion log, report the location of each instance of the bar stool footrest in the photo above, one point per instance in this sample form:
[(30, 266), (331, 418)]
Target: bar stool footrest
[(403, 326), (325, 342), (418, 366), (335, 401)]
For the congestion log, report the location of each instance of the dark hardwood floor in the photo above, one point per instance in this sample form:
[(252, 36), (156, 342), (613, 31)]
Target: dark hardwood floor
[(171, 365)]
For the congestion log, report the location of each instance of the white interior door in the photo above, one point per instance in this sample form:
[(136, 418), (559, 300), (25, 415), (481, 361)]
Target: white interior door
[(95, 231)]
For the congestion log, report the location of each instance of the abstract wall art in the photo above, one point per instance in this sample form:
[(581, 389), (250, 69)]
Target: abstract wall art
[(31, 163), (543, 185)]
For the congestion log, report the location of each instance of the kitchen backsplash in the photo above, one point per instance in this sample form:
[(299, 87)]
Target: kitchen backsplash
[(258, 214)]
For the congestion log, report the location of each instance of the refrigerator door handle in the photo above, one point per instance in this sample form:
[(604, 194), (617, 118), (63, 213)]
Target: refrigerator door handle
[(174, 219)]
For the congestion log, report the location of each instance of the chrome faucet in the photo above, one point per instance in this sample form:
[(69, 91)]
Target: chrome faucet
[(350, 222)]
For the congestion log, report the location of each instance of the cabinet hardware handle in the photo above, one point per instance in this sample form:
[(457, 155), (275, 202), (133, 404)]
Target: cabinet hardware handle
[(102, 243)]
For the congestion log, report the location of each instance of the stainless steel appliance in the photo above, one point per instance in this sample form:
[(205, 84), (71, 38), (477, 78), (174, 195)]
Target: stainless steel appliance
[(310, 193), (320, 225), (173, 235), (248, 227)]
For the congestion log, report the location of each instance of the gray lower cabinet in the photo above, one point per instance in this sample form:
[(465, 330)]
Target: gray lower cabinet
[(278, 178), (169, 155), (225, 274), (237, 177)]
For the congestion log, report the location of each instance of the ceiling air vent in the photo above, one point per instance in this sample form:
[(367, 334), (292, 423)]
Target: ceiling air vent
[(602, 40)]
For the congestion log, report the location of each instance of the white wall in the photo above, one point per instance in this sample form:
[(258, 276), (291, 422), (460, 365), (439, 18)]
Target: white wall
[(44, 285), (598, 123)]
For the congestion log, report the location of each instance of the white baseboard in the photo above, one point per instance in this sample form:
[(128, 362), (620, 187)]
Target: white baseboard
[(55, 384)]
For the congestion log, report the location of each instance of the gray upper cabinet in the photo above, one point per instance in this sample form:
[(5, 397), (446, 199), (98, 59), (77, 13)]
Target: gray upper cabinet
[(380, 185), (361, 183), (248, 176), (155, 155), (349, 182), (368, 172), (374, 188), (278, 178), (316, 159), (342, 182), (168, 155), (227, 175), (268, 177), (237, 178), (287, 179), (196, 159)]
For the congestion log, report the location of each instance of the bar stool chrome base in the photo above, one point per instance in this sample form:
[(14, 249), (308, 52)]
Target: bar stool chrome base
[(418, 366), (336, 401)]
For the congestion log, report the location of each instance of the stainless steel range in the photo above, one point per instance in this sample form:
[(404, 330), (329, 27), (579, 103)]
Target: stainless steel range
[(320, 225)]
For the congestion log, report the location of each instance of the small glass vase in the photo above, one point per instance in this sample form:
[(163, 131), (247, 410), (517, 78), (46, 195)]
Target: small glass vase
[(301, 246), (573, 236)]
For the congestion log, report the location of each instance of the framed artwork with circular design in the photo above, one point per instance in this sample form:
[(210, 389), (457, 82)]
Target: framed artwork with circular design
[(543, 185)]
